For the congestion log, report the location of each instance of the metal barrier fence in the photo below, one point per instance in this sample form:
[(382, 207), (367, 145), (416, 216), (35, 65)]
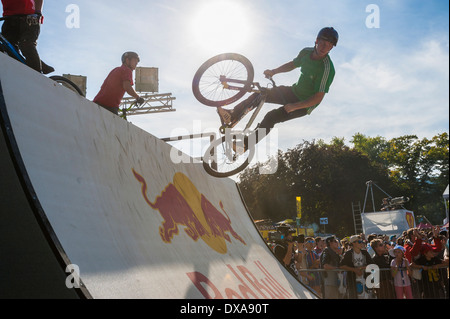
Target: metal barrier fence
[(339, 284)]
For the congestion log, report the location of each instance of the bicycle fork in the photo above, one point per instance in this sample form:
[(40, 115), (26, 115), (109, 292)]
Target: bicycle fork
[(255, 113)]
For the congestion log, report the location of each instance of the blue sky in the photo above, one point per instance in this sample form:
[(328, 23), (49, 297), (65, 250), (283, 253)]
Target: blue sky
[(390, 81)]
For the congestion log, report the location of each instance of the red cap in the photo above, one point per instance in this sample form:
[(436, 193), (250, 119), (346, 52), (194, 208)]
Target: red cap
[(427, 247)]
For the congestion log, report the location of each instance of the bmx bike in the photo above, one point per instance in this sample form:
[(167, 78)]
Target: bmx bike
[(10, 50), (220, 81)]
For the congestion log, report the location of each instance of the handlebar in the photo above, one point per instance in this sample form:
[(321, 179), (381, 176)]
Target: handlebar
[(271, 80)]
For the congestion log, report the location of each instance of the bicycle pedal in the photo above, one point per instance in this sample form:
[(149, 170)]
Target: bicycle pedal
[(223, 128), (239, 150), (225, 115)]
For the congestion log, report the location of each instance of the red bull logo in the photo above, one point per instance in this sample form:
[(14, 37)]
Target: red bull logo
[(254, 285), (181, 204)]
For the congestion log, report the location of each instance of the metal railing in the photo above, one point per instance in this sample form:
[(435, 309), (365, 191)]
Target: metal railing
[(338, 284)]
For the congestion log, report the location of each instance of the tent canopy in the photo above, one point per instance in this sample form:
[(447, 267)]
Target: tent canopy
[(286, 221)]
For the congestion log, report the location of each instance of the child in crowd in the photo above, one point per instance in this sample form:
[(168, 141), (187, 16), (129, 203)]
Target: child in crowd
[(400, 272)]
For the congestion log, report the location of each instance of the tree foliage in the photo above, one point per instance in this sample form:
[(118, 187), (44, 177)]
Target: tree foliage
[(330, 177)]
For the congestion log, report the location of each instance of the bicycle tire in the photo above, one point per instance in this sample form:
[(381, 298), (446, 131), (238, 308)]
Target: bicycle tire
[(207, 87), (222, 148), (67, 83)]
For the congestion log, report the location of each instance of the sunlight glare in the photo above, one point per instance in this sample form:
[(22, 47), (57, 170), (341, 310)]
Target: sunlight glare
[(221, 26)]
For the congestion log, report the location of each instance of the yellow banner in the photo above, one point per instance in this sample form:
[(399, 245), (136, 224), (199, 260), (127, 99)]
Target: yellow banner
[(299, 207)]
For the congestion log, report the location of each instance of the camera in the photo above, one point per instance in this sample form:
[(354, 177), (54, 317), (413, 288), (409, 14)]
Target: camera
[(390, 203), (283, 231), (398, 200)]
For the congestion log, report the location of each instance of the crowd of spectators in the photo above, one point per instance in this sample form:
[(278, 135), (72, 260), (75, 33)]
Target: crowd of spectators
[(412, 266)]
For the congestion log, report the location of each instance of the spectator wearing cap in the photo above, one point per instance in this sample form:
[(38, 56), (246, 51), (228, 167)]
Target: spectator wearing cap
[(393, 240), (355, 262), (330, 260), (383, 261), (431, 281), (400, 272)]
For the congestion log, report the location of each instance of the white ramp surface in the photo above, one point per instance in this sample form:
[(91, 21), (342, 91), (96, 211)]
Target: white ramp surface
[(135, 224)]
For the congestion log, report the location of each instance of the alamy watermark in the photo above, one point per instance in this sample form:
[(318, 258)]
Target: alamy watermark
[(373, 19), (373, 279), (73, 279), (73, 19)]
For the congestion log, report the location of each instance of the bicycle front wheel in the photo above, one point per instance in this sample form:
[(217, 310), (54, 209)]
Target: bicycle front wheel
[(209, 87), (66, 83), (221, 160)]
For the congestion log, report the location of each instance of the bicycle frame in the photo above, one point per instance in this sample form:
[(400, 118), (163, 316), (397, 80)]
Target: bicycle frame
[(7, 48), (224, 80), (256, 111)]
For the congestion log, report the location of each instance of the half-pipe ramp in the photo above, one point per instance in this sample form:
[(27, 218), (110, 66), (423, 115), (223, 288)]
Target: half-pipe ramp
[(85, 194)]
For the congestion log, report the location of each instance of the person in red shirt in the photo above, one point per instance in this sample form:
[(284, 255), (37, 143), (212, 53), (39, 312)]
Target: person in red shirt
[(119, 81), (414, 243), (22, 25)]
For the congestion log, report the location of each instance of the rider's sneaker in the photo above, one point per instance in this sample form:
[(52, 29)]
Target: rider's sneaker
[(46, 69), (239, 149), (225, 115)]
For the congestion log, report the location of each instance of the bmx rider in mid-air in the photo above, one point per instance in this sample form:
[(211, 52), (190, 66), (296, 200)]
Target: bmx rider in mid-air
[(300, 99)]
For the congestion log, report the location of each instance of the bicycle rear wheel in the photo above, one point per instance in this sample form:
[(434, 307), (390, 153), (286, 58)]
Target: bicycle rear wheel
[(67, 83), (207, 86), (220, 160)]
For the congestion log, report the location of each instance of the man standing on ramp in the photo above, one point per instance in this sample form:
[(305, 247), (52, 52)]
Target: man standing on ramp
[(119, 81)]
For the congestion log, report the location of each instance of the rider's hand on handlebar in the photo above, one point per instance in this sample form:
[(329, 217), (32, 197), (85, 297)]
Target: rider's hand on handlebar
[(269, 73), (140, 100)]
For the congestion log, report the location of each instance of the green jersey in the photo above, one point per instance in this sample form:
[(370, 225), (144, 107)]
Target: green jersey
[(316, 75)]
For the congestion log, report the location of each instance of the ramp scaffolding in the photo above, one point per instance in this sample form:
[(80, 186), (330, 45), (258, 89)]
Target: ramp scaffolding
[(153, 103), (389, 203)]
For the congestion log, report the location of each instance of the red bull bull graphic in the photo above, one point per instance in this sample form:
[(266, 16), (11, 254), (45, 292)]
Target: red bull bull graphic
[(251, 286), (181, 204)]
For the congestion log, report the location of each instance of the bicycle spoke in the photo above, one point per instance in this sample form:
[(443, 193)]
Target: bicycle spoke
[(208, 87), (222, 160)]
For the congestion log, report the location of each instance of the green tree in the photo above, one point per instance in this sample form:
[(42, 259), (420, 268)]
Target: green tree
[(420, 168), (372, 147), (327, 177)]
